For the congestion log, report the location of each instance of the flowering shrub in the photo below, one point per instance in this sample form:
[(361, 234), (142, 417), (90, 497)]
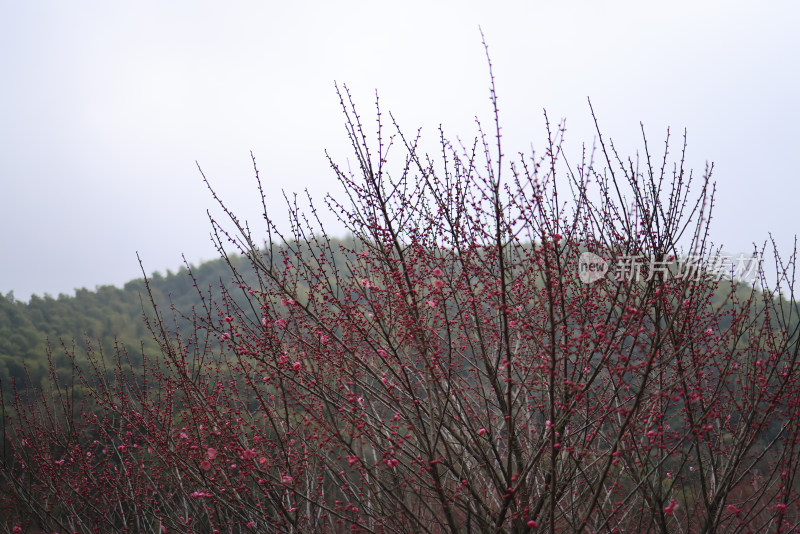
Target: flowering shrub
[(444, 370)]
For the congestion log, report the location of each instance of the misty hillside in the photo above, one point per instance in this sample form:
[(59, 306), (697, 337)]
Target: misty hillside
[(108, 316), (99, 317)]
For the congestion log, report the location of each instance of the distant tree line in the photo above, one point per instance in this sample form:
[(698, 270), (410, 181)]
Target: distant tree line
[(98, 319)]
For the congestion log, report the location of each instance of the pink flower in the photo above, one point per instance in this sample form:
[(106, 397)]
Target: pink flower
[(248, 454), (670, 508), (262, 460), (780, 508), (205, 465), (228, 319), (481, 431), (286, 479), (532, 524), (432, 304), (437, 272), (211, 453), (735, 510), (352, 460), (297, 366), (251, 524), (438, 284)]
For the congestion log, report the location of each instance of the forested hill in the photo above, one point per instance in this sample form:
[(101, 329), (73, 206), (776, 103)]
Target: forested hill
[(107, 314)]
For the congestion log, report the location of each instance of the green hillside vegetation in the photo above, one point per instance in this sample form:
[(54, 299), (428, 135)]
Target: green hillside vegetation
[(99, 320), (109, 318)]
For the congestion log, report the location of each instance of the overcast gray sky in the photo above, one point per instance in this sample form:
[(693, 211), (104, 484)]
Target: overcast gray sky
[(105, 107)]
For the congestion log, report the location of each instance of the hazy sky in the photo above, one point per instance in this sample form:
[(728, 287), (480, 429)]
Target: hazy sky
[(106, 106)]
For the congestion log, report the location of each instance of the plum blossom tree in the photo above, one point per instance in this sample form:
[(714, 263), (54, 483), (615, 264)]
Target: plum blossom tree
[(444, 369)]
